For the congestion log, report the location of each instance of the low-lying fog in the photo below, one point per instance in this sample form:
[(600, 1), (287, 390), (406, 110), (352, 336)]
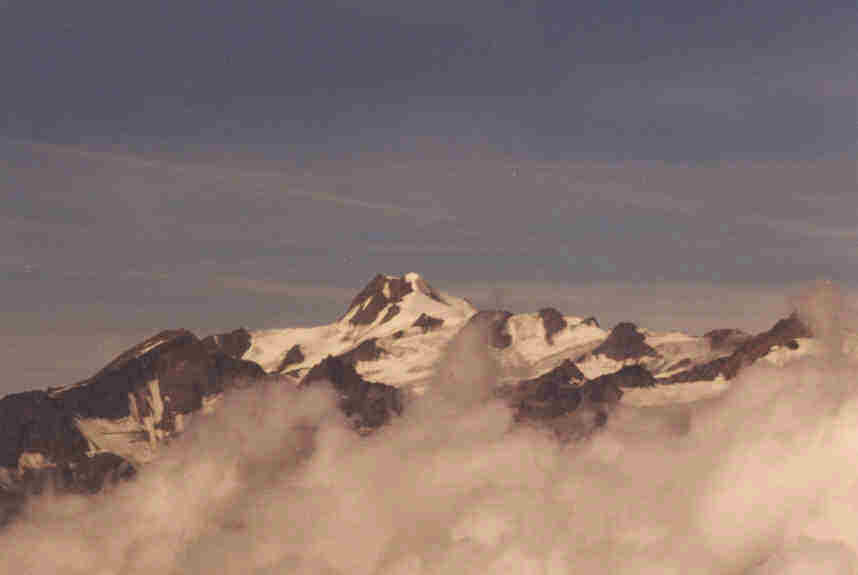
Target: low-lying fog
[(761, 480)]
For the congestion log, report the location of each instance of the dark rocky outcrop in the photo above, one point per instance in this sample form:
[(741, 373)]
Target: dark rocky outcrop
[(82, 475), (628, 376), (368, 404), (367, 350), (591, 321), (550, 395), (187, 370), (493, 325), (427, 323), (372, 298), (34, 421), (783, 333), (292, 357), (392, 312), (602, 390), (234, 344), (726, 339), (553, 322), (556, 401), (625, 342)]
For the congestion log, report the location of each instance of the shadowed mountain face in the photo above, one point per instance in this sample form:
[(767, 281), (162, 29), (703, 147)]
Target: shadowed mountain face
[(380, 292), (783, 333), (367, 403), (143, 392), (625, 342), (552, 321), (427, 323), (234, 344), (293, 356)]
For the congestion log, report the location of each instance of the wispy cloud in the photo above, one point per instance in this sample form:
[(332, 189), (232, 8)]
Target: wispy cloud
[(803, 228), (259, 179)]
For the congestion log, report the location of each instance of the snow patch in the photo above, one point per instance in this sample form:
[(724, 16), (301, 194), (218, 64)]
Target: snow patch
[(33, 460), (674, 393), (149, 347)]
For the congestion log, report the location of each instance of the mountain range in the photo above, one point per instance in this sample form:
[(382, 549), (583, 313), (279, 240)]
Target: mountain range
[(398, 340)]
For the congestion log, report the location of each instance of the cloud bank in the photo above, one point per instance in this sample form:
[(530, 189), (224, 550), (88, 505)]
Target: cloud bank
[(760, 481)]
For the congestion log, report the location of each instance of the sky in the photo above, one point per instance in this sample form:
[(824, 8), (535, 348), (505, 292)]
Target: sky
[(211, 165)]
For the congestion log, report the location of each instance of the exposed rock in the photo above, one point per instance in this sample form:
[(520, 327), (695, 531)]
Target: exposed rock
[(377, 294), (782, 333), (493, 323), (550, 395), (625, 342), (553, 321), (558, 401), (726, 339), (293, 356), (423, 286), (591, 321), (602, 390), (33, 421), (367, 350), (234, 344), (392, 312), (628, 376), (398, 334), (169, 373), (368, 404), (427, 323)]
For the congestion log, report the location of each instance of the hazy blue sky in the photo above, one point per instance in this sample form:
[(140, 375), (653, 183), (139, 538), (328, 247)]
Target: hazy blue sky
[(214, 164)]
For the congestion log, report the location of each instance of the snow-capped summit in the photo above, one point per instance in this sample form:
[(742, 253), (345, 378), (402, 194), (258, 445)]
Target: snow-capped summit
[(406, 317), (383, 298)]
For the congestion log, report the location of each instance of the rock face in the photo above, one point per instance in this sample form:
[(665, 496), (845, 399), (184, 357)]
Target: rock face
[(368, 404), (427, 323), (292, 357), (367, 350), (726, 339), (34, 422), (625, 342), (386, 292), (391, 313), (552, 321), (494, 324), (783, 333), (628, 376), (563, 401), (144, 390), (379, 292), (233, 344), (550, 395)]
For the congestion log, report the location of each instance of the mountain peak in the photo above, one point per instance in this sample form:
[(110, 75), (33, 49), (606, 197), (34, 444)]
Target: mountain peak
[(385, 292)]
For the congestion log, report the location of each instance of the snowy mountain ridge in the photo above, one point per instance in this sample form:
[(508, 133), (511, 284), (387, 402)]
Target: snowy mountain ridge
[(387, 347)]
